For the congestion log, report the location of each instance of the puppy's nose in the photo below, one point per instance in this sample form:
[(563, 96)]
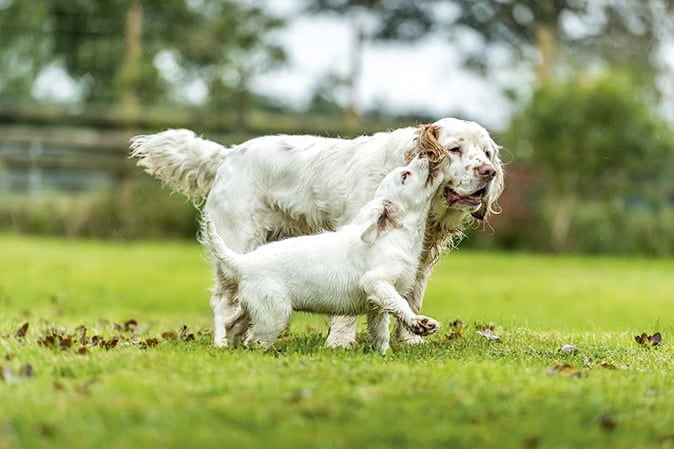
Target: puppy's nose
[(486, 171)]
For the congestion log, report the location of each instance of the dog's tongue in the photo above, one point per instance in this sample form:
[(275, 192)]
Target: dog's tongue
[(452, 197)]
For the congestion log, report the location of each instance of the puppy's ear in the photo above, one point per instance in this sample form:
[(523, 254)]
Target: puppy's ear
[(427, 144), (384, 220)]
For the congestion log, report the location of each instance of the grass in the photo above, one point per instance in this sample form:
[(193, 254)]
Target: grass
[(460, 392)]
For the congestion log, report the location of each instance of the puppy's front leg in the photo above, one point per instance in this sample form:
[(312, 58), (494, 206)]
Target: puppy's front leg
[(414, 299), (384, 296)]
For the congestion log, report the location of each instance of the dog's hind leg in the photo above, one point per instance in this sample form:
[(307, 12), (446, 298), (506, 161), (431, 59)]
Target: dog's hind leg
[(378, 330), (224, 306)]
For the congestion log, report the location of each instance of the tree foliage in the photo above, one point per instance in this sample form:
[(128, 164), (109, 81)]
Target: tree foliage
[(592, 139), (221, 42)]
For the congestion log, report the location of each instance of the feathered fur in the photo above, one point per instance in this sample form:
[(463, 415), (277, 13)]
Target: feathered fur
[(274, 187)]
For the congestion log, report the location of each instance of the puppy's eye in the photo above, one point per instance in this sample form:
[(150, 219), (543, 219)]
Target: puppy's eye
[(455, 150), (488, 153), (404, 175)]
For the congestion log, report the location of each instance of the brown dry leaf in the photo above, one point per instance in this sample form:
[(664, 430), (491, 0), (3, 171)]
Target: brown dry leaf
[(48, 341), (83, 351), (457, 329), (648, 340), (65, 343), (111, 343), (151, 342), (607, 422), (456, 333), (169, 335), (565, 368), (21, 332), (83, 339), (607, 365), (130, 325)]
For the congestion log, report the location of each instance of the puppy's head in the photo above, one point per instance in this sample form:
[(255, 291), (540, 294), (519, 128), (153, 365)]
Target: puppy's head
[(413, 185), (404, 192), (469, 159)]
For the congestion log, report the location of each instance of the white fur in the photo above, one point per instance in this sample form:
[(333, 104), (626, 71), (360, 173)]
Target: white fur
[(275, 187), (359, 269)]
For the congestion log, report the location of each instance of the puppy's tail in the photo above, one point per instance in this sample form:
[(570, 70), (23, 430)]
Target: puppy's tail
[(180, 158), (226, 256)]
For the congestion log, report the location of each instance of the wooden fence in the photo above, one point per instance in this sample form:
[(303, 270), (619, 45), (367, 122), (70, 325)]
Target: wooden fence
[(38, 159)]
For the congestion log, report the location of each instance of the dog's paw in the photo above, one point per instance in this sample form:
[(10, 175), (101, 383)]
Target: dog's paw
[(340, 342), (423, 325), (220, 342)]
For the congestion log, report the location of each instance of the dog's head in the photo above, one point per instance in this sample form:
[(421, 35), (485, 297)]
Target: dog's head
[(405, 190), (473, 174)]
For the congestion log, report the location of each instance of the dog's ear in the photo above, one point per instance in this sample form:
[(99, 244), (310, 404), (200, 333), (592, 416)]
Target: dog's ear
[(427, 143), (385, 219)]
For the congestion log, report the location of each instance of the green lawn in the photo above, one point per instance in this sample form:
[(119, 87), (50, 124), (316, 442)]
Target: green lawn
[(160, 385)]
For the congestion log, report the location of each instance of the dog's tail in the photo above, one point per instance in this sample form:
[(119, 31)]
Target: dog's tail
[(226, 256), (180, 158)]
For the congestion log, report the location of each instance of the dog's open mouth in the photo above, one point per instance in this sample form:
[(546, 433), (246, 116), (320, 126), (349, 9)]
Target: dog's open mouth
[(473, 200)]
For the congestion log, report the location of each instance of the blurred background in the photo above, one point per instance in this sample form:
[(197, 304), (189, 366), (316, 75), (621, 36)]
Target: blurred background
[(580, 94)]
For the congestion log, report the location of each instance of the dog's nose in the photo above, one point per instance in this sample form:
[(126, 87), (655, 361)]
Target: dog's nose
[(486, 171)]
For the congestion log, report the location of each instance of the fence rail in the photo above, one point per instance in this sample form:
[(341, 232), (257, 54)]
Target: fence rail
[(37, 159)]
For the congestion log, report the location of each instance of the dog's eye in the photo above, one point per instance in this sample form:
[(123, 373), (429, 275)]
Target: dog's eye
[(404, 175), (455, 150), (488, 153)]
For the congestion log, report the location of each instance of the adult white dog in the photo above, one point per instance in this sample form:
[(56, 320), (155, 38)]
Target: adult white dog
[(361, 268), (273, 187)]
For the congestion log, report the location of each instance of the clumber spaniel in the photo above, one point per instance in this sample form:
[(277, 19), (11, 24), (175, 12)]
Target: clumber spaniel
[(361, 268), (274, 187)]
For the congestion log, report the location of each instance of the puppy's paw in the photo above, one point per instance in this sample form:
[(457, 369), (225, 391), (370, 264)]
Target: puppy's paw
[(423, 325)]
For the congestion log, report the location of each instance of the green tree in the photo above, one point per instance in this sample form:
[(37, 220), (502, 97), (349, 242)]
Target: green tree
[(591, 139), (111, 47)]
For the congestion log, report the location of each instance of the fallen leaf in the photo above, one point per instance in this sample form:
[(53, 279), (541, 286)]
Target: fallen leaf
[(607, 422), (607, 365), (457, 329), (565, 368), (487, 333), (65, 343), (648, 340), (83, 351), (21, 332), (130, 325), (568, 349), (168, 335), (456, 333)]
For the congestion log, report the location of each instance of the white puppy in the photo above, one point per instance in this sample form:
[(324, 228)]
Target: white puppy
[(362, 268)]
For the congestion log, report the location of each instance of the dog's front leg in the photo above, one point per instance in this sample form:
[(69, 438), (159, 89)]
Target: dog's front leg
[(342, 332), (384, 296), (414, 299)]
